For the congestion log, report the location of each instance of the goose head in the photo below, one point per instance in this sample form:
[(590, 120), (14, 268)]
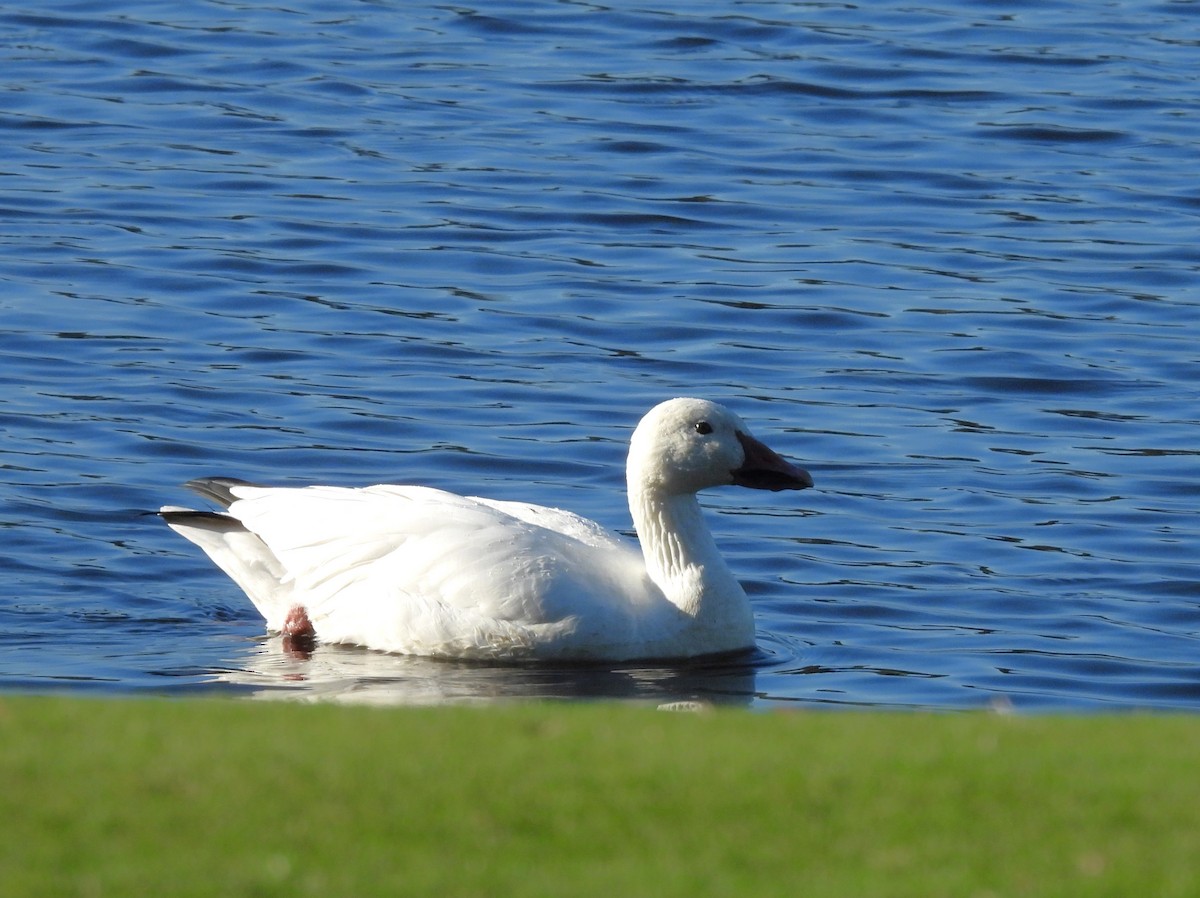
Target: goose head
[(683, 446)]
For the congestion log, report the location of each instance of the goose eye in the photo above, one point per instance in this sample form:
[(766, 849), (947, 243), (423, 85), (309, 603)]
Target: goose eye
[(703, 427)]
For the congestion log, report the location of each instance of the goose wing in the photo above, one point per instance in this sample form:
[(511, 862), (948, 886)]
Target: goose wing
[(415, 569)]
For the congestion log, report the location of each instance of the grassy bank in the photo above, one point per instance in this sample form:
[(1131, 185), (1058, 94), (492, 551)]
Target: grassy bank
[(229, 798)]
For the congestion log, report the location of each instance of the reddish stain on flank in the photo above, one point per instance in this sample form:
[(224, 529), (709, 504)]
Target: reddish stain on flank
[(299, 637)]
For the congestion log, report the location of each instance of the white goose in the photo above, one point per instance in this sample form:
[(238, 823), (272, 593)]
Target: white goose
[(421, 571)]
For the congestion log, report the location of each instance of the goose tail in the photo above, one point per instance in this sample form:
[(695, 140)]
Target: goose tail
[(244, 557)]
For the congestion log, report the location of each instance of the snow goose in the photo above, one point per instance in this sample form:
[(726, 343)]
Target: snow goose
[(421, 571)]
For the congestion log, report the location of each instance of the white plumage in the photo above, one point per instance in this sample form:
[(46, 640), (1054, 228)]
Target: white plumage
[(422, 571)]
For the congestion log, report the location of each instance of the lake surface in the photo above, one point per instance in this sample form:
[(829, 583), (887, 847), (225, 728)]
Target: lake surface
[(946, 256)]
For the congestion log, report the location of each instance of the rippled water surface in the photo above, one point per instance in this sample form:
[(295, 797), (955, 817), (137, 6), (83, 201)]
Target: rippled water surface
[(944, 255)]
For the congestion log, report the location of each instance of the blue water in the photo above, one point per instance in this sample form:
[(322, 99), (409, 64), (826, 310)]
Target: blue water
[(945, 256)]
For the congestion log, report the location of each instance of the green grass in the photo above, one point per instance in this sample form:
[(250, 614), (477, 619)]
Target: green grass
[(228, 798)]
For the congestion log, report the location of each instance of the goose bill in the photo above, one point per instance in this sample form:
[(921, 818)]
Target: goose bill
[(765, 469)]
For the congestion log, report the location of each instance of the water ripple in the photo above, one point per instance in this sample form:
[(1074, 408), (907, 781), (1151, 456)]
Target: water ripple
[(944, 255)]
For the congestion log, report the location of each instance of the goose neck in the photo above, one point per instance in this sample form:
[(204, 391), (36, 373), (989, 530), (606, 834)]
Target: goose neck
[(683, 561), (681, 555), (672, 530)]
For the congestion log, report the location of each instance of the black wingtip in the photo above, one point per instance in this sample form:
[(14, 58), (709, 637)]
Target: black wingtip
[(204, 520), (217, 489)]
